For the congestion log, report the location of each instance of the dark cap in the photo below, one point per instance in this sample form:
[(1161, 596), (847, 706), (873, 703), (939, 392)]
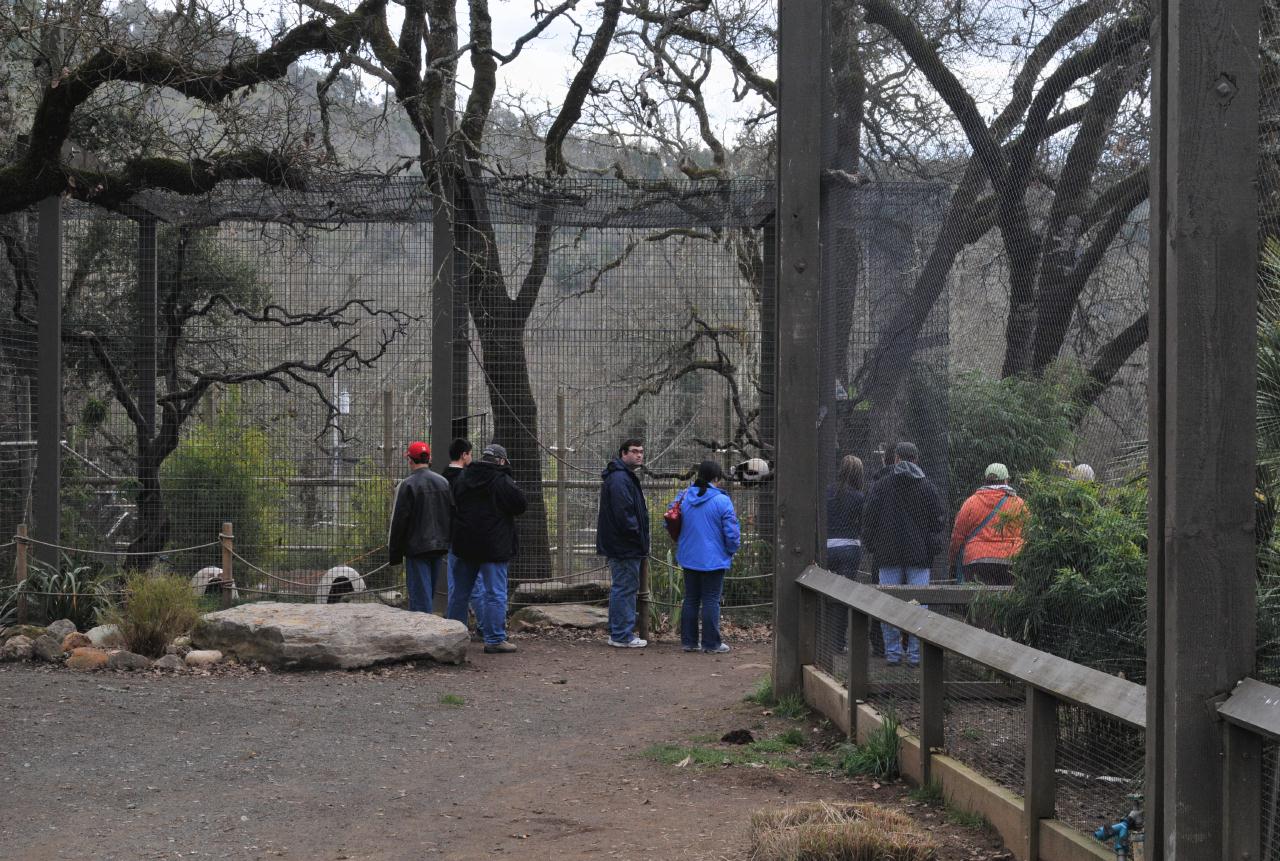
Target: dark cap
[(495, 451)]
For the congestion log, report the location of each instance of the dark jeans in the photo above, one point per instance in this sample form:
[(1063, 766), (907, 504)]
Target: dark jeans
[(989, 573), (702, 591), (843, 561)]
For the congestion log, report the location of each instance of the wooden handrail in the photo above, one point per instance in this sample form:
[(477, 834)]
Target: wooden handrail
[(1255, 706), (1072, 683), (945, 594)]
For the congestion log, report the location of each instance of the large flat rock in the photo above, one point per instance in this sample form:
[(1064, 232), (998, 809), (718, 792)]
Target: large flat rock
[(559, 592), (565, 616), (343, 636)]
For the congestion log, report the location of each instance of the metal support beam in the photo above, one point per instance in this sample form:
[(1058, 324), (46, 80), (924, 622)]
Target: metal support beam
[(1203, 286), (801, 72), (442, 303), (47, 507)]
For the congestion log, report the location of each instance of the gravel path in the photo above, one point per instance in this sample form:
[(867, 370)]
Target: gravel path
[(540, 760)]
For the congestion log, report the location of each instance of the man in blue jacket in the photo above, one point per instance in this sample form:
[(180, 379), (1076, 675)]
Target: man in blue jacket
[(622, 536)]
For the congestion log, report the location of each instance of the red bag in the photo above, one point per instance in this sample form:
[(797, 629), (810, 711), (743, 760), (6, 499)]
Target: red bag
[(671, 519)]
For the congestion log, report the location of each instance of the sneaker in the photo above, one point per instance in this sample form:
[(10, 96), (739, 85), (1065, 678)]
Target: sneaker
[(633, 643), (690, 648), (718, 650), (498, 648)]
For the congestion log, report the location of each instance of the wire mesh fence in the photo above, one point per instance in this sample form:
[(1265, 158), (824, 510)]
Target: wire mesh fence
[(1270, 838)]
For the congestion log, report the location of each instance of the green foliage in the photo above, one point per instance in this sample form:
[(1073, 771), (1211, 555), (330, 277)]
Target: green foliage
[(226, 472), (1268, 394), (878, 755), (929, 793), (762, 695), (1080, 581), (154, 611), (1022, 423), (452, 700), (793, 736), (370, 509), (967, 819), (791, 707), (67, 591)]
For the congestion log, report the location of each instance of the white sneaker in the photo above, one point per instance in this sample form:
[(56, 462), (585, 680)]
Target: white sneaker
[(633, 643), (718, 650)]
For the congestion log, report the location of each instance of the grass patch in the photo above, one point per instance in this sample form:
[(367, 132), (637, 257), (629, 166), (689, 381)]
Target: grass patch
[(451, 700), (965, 819), (877, 756), (792, 707), (793, 736), (758, 753), (154, 611), (820, 831), (930, 793), (762, 695)]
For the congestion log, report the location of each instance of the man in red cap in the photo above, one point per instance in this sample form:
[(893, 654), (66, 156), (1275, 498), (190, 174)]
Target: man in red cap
[(420, 524)]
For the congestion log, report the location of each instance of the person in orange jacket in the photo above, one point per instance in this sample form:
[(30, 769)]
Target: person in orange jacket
[(988, 531)]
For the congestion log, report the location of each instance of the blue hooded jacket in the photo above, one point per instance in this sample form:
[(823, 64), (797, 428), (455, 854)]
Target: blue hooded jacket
[(709, 534)]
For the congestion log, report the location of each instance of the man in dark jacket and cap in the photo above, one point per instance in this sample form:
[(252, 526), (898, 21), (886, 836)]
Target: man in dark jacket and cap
[(487, 504), (421, 520), (903, 525), (622, 536)]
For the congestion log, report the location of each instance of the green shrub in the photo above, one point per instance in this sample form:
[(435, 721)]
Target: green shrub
[(878, 755), (64, 592), (1022, 423), (762, 695), (1080, 581), (154, 611), (791, 707), (226, 472)]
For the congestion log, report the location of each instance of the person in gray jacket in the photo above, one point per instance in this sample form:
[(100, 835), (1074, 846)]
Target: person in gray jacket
[(420, 524)]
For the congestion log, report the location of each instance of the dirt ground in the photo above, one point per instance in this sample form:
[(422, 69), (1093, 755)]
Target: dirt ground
[(543, 758)]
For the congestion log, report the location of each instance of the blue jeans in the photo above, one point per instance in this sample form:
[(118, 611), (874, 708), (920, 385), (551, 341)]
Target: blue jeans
[(844, 561), (491, 613), (477, 594), (420, 573), (702, 591), (625, 583), (892, 636)]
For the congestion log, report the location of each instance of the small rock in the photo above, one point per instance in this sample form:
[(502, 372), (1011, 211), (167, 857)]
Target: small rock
[(47, 648), (203, 657), (180, 646), (106, 637), (87, 659), (61, 628), (28, 631), (123, 660), (75, 640), (16, 648), (171, 663), (738, 736)]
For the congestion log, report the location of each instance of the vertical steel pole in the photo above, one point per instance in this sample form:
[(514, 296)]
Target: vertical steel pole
[(1203, 292), (802, 69), (47, 508), (442, 302)]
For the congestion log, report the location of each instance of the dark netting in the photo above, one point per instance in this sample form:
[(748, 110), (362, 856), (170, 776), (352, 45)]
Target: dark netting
[(18, 391)]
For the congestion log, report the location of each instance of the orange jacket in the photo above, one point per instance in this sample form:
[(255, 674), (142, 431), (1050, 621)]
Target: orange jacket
[(1001, 538)]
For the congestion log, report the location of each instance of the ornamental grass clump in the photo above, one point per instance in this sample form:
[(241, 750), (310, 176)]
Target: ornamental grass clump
[(825, 831), (154, 611)]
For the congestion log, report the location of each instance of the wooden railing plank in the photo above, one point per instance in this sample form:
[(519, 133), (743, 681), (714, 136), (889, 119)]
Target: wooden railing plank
[(942, 594), (1069, 682), (1255, 706)]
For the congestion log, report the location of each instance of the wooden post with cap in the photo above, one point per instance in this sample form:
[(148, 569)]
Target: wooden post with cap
[(23, 549), (227, 539)]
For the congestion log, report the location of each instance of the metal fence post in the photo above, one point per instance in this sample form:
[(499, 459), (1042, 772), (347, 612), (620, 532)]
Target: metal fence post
[(48, 501), (562, 489), (1041, 786), (932, 706), (227, 538), (22, 549), (388, 432), (442, 298)]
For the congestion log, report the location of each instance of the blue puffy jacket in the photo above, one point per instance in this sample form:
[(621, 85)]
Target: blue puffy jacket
[(709, 534)]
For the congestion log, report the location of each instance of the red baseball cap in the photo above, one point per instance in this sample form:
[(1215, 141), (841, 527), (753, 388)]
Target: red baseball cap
[(418, 452)]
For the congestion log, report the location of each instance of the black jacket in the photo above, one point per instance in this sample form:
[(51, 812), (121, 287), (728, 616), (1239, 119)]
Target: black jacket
[(421, 517), (451, 473), (488, 503), (844, 512), (622, 529), (904, 519)]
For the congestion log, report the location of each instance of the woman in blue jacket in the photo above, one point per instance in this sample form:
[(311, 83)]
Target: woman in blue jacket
[(709, 537)]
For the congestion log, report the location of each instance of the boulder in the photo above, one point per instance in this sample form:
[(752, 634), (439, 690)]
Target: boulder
[(46, 647), (565, 616), (171, 663), (87, 659), (75, 640), (106, 637), (28, 631), (203, 657), (582, 592), (180, 646), (122, 660), (61, 628), (16, 648), (340, 636)]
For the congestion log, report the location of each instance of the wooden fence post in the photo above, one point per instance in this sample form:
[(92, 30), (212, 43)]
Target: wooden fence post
[(388, 431), (642, 602), (227, 537), (562, 477), (859, 653), (1041, 786), (22, 556), (932, 704)]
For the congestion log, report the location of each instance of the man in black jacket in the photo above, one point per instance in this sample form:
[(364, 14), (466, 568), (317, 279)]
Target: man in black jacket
[(484, 541), (622, 536), (421, 522), (903, 525)]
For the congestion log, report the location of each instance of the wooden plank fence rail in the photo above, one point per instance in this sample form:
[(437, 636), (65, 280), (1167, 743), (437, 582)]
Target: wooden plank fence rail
[(1254, 706), (943, 594)]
